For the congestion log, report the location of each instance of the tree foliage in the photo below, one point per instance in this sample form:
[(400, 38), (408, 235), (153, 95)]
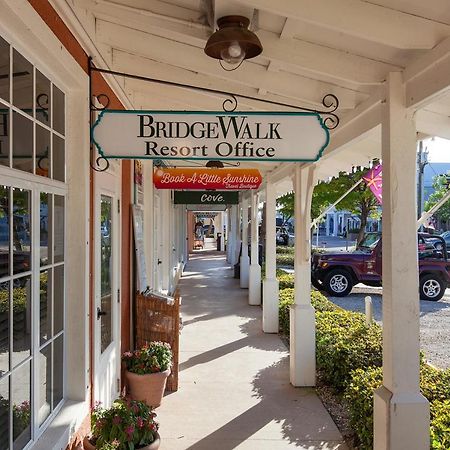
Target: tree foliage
[(360, 201), (440, 185)]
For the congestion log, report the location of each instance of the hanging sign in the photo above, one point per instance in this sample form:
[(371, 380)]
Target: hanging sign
[(238, 136), (206, 178), (206, 198)]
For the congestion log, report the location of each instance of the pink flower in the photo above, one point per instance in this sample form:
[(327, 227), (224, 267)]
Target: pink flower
[(140, 422), (129, 429), (128, 355)]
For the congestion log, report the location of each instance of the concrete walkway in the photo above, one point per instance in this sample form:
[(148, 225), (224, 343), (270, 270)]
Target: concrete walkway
[(234, 380)]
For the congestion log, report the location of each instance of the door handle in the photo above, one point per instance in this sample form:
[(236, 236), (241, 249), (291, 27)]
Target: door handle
[(100, 313), (159, 261)]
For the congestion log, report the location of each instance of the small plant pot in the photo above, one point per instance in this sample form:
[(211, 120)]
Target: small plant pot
[(148, 388), (87, 445)]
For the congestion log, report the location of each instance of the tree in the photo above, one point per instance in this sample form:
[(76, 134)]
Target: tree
[(360, 201), (440, 186)]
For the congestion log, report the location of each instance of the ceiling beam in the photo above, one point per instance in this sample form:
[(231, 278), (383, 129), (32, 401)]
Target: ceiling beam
[(191, 58), (361, 19), (291, 54), (428, 77), (433, 124)]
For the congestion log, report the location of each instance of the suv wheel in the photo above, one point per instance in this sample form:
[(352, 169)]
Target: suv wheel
[(431, 287), (338, 283)]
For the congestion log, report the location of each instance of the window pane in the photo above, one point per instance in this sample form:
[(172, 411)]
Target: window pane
[(22, 143), (58, 289), (20, 396), (45, 383), (42, 98), (58, 355), (45, 306), (42, 151), (4, 413), (22, 83), (58, 221), (45, 228), (4, 70), (4, 328), (4, 134), (58, 110), (4, 230), (21, 230), (21, 320), (59, 159), (106, 271)]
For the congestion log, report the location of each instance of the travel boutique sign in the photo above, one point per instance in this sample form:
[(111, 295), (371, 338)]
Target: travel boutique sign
[(205, 178), (242, 136), (206, 198)]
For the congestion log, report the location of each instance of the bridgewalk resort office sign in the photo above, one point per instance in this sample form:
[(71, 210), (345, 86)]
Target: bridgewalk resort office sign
[(238, 136)]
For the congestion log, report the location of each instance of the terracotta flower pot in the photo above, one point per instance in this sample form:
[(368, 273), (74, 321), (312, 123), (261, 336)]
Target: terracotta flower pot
[(153, 446), (148, 388)]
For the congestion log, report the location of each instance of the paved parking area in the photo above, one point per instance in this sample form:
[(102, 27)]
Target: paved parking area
[(434, 321)]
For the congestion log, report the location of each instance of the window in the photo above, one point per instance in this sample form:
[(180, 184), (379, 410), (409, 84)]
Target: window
[(32, 249)]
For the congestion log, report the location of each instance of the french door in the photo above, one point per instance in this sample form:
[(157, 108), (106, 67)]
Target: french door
[(106, 310)]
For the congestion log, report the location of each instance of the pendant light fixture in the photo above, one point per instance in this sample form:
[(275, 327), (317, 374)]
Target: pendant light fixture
[(233, 42)]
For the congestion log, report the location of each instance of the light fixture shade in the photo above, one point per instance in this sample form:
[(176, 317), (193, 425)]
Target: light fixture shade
[(232, 30)]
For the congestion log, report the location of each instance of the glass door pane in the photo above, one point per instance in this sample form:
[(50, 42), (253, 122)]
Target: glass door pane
[(106, 268)]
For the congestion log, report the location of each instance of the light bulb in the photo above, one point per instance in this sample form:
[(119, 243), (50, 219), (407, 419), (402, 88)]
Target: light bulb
[(233, 54)]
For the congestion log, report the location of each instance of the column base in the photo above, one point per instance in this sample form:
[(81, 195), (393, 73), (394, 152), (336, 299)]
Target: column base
[(254, 285), (401, 420), (302, 360), (270, 306), (245, 265)]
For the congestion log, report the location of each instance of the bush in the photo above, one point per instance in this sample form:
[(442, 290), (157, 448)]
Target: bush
[(343, 343), (286, 281), (285, 259), (285, 250), (434, 383), (359, 397), (440, 425)]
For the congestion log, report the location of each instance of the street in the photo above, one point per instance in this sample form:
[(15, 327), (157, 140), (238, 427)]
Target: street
[(434, 321)]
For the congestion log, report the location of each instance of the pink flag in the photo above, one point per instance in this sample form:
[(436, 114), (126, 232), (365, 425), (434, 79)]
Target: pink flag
[(374, 180)]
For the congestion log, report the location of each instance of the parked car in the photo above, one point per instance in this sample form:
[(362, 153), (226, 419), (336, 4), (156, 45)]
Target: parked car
[(337, 273), (282, 236)]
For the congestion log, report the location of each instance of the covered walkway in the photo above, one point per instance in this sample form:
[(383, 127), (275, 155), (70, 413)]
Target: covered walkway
[(234, 379)]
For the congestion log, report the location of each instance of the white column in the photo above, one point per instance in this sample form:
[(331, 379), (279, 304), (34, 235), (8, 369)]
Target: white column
[(254, 284), (302, 316), (335, 224), (270, 283), (237, 235), (149, 215), (230, 244), (245, 260), (401, 419), (222, 226), (166, 241)]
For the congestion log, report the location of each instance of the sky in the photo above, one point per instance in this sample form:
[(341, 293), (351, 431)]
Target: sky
[(439, 150)]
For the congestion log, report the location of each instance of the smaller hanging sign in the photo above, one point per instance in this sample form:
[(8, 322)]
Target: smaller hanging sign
[(207, 178), (206, 198)]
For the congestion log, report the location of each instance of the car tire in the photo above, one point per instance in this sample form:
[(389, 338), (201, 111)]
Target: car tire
[(338, 283), (431, 288)]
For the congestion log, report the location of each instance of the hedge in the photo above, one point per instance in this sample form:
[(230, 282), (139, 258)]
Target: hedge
[(349, 359)]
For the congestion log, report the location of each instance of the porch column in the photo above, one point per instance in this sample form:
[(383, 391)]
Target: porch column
[(230, 238), (166, 250), (245, 260), (270, 283), (401, 413), (222, 223), (302, 315), (237, 235), (254, 293)]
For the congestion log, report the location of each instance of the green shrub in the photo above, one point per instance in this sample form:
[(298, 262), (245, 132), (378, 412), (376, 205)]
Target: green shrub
[(19, 300), (434, 383), (286, 281), (440, 425), (343, 343), (285, 259), (285, 250), (359, 397)]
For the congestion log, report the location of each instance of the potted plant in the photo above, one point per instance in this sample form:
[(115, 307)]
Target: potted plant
[(147, 370), (127, 425)]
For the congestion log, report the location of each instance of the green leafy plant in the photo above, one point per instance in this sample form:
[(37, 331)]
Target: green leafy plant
[(127, 425), (440, 425), (152, 357)]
